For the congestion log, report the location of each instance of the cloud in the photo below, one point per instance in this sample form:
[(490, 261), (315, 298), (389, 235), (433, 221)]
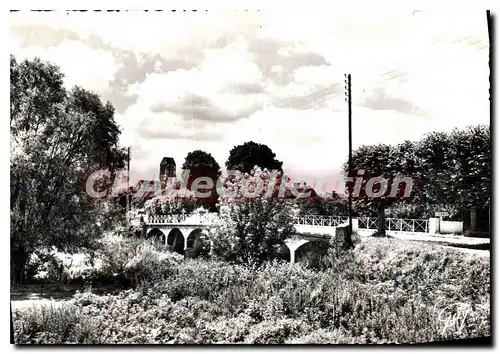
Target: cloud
[(164, 125), (227, 86), (269, 51), (82, 65), (380, 100), (312, 88), (222, 108), (185, 81), (134, 69)]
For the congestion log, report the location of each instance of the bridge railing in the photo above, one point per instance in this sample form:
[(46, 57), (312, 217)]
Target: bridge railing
[(210, 218), (320, 220), (198, 219), (367, 223), (165, 219), (392, 224)]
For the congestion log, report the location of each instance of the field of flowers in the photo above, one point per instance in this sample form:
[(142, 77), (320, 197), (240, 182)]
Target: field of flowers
[(385, 290)]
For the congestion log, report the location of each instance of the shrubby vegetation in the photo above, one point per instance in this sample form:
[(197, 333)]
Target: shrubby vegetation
[(385, 290), (251, 229), (119, 261), (173, 202)]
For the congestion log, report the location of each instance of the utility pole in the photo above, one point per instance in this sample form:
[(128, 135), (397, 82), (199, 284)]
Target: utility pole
[(489, 22), (349, 106), (128, 187)]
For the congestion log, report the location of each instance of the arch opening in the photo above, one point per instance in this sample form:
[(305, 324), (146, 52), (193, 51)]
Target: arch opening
[(313, 254), (197, 245), (175, 241), (280, 252), (156, 235)]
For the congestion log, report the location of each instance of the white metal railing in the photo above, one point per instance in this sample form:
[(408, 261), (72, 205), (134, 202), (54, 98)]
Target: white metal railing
[(175, 219), (320, 220), (209, 218), (369, 223), (392, 224), (165, 219)]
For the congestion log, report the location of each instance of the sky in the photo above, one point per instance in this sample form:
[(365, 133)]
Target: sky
[(212, 80)]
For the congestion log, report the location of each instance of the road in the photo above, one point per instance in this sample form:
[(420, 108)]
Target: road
[(439, 239)]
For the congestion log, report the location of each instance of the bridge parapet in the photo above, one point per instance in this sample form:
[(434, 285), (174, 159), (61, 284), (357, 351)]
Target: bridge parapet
[(303, 221), (178, 219), (320, 220)]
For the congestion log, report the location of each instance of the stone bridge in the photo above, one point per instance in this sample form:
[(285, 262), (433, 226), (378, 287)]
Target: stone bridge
[(180, 232)]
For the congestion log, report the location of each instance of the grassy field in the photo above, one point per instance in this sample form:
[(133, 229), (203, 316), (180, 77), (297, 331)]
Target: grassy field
[(385, 291)]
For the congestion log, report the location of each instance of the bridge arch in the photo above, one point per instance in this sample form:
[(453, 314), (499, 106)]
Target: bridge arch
[(175, 240), (193, 236), (282, 251), (312, 252), (194, 244), (156, 234)]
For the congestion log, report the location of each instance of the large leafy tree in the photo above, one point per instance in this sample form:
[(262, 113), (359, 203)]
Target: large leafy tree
[(245, 157), (471, 178), (374, 162), (387, 162), (450, 171), (455, 172), (203, 164), (199, 159), (434, 188), (58, 139)]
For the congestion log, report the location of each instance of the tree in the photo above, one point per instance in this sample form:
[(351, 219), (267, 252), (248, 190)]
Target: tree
[(384, 162), (245, 157), (200, 159), (471, 177), (252, 228), (455, 171), (58, 139), (433, 185), (449, 171), (329, 205), (202, 164)]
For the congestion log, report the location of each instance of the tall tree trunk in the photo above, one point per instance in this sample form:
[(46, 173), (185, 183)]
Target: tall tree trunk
[(381, 221), (18, 264), (144, 229), (473, 219), (11, 326), (348, 239)]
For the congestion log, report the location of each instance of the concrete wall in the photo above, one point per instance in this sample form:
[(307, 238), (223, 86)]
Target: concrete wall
[(434, 226), (313, 229), (451, 227), (355, 225)]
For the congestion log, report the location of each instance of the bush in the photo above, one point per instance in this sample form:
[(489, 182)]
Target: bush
[(49, 325), (251, 229), (60, 268), (174, 201), (382, 291), (130, 261)]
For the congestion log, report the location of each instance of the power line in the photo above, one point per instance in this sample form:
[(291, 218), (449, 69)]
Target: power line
[(310, 98)]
